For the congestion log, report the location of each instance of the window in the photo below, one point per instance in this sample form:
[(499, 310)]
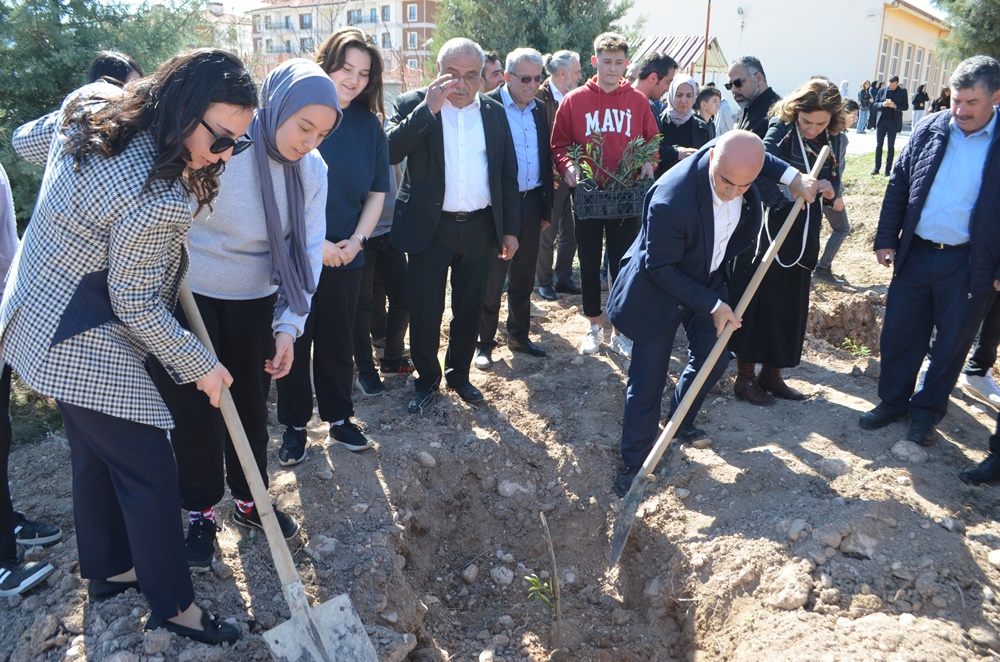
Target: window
[(288, 22), (373, 15), (386, 40), (269, 46), (411, 12), (305, 21), (905, 75), (917, 70), (411, 39), (288, 46), (267, 22), (894, 62), (353, 16), (927, 73), (307, 45), (386, 15), (257, 24), (256, 45), (411, 63), (882, 59)]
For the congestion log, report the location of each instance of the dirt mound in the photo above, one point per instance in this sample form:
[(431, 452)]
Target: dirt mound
[(850, 321)]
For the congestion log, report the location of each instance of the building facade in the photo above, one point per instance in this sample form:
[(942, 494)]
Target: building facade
[(852, 40), (284, 29)]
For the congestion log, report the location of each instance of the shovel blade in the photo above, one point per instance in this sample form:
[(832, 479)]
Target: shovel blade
[(341, 634), (625, 519)]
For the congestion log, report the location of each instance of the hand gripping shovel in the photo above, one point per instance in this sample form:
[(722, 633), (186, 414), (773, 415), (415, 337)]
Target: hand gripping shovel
[(630, 505), (330, 631)]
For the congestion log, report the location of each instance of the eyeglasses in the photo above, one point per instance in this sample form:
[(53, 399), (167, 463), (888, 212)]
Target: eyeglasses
[(738, 83), (472, 80), (527, 79), (222, 143)]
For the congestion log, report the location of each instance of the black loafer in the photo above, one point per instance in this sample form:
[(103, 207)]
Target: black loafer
[(99, 590), (547, 293), (568, 288), (624, 481), (421, 398), (986, 471), (525, 347), (878, 418), (468, 392), (214, 631), (921, 432)]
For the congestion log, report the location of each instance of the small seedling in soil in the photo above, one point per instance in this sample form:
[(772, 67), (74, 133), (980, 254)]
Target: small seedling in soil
[(860, 351), (541, 590)]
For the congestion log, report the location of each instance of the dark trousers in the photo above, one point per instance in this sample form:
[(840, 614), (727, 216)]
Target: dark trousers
[(590, 236), (389, 264), (883, 131), (984, 352), (647, 375), (8, 547), (467, 248), (928, 294), (560, 238), (241, 335), (521, 269), (329, 333), (379, 305), (125, 503)]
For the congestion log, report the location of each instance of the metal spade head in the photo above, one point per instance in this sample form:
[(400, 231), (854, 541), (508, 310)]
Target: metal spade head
[(623, 523), (337, 626)]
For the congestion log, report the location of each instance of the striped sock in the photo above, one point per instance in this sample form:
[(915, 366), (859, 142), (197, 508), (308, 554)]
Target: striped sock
[(246, 507), (203, 514)]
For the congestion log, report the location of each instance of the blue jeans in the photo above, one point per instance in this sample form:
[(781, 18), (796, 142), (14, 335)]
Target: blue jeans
[(841, 228), (862, 121)]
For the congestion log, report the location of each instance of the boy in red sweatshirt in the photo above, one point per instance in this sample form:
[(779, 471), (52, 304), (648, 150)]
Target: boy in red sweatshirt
[(608, 104)]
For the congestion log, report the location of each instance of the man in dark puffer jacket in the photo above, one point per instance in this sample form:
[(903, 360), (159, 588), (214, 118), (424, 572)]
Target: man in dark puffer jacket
[(939, 226)]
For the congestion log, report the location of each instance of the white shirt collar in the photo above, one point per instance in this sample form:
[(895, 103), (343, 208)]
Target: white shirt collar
[(474, 104)]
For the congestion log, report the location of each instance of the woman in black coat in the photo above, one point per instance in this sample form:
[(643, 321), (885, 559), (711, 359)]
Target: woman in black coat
[(684, 131)]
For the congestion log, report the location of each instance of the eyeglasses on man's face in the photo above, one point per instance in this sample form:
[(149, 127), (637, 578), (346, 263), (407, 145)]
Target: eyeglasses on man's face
[(222, 143)]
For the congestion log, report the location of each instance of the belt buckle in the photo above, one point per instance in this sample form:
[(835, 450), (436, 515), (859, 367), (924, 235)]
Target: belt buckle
[(939, 246), (461, 216)]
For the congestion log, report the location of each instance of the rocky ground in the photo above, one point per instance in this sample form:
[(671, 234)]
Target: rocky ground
[(793, 535)]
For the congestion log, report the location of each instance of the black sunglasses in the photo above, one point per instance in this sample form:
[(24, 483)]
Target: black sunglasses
[(527, 79), (222, 143), (738, 83)]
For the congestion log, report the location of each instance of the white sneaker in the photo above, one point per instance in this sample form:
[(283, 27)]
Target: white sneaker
[(538, 311), (592, 340), (620, 344), (981, 387)]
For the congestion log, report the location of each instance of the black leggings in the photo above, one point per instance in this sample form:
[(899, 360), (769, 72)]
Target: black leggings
[(590, 236)]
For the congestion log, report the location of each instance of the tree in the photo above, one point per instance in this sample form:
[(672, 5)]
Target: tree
[(46, 47), (547, 25), (976, 28)]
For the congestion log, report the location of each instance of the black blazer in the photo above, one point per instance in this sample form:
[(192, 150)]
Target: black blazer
[(415, 134), (891, 116), (544, 148)]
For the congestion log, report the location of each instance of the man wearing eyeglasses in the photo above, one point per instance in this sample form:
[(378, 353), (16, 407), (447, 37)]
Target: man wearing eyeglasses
[(529, 129), (750, 90), (458, 206)]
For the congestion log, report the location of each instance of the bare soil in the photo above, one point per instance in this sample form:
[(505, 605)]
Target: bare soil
[(794, 535)]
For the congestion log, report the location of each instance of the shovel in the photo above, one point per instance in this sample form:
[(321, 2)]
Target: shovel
[(630, 505), (331, 631)]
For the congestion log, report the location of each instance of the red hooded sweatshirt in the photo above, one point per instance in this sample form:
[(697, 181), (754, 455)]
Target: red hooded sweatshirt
[(620, 116)]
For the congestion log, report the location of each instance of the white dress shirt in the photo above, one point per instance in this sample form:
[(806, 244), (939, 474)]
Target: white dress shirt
[(466, 169), (557, 94), (727, 217)]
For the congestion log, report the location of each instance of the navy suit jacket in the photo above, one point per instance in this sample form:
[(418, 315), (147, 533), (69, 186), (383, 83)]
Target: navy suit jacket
[(666, 270)]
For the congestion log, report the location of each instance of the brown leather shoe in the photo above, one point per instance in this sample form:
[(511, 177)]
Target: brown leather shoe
[(746, 386), (770, 380)]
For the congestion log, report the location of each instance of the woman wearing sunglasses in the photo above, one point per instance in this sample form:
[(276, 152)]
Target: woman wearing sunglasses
[(684, 130), (358, 158), (255, 261), (88, 305)]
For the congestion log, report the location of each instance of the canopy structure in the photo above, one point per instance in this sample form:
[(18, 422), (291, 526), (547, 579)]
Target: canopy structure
[(688, 51)]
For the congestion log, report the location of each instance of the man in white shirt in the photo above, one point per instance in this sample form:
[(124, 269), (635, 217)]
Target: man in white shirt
[(458, 206)]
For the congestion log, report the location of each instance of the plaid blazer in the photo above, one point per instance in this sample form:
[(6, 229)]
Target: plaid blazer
[(90, 294)]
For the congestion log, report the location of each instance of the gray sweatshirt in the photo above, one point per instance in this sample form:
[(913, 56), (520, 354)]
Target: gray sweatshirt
[(230, 255)]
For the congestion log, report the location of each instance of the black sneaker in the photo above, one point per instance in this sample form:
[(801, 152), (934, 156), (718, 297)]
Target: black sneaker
[(350, 436), (826, 275), (289, 525), (199, 545), (293, 446), (17, 577), (688, 434), (28, 532), (370, 384)]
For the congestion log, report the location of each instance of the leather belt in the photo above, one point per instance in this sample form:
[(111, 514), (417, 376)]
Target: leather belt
[(462, 216), (938, 246), (531, 191)]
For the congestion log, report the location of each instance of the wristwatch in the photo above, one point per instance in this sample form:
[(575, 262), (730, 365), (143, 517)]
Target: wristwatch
[(363, 239)]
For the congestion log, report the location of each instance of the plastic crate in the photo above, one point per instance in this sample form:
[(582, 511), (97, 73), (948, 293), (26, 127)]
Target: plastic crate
[(589, 201)]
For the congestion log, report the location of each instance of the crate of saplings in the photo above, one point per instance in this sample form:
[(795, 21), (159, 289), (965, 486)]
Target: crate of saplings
[(602, 193)]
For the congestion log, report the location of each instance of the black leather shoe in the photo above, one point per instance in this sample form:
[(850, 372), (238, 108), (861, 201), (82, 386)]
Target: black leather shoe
[(877, 418), (689, 434), (875, 172), (213, 630), (525, 347), (99, 590), (921, 432), (985, 472), (547, 293), (568, 288), (624, 480), (421, 398), (468, 392)]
